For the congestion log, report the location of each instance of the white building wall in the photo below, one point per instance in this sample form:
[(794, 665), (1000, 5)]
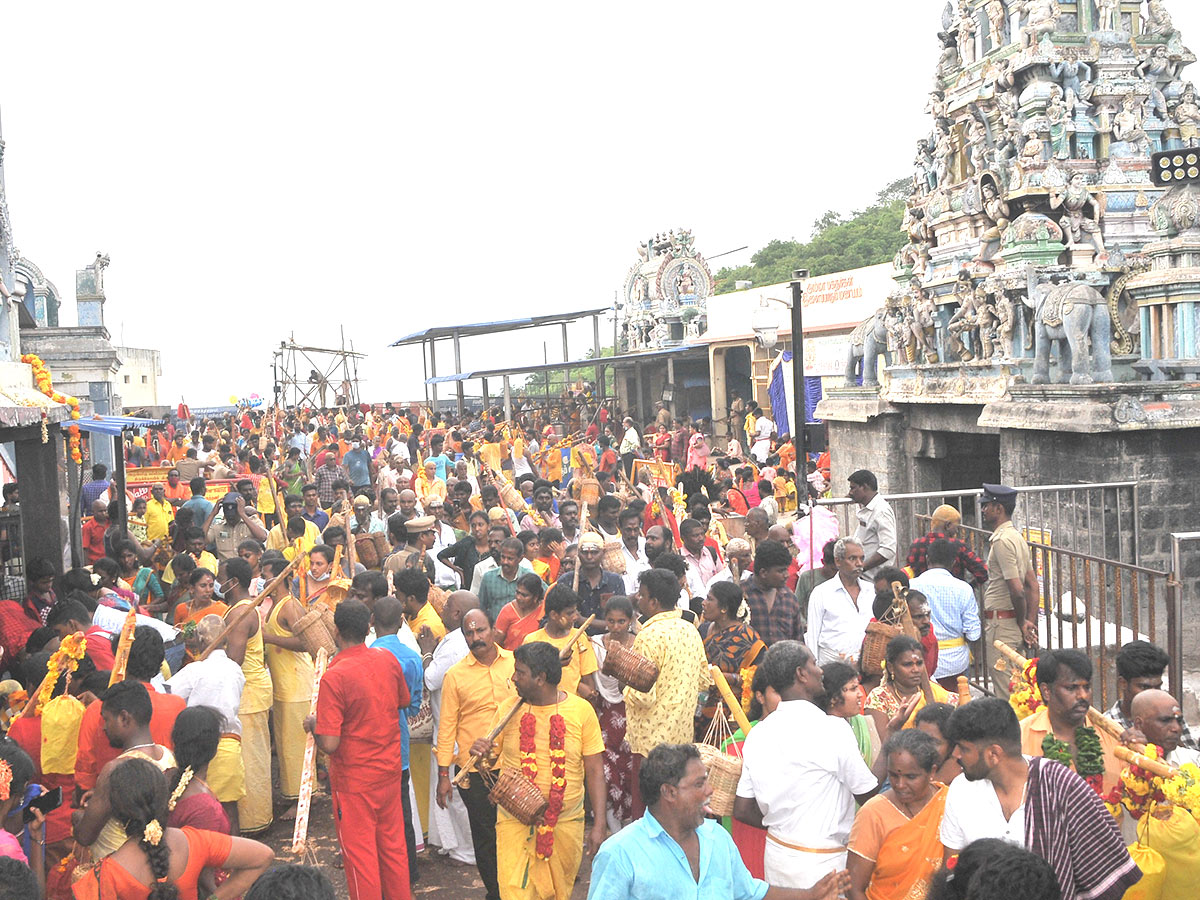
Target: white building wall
[(137, 380)]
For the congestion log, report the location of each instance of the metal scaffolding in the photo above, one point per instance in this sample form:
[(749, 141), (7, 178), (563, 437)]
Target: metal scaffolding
[(315, 376)]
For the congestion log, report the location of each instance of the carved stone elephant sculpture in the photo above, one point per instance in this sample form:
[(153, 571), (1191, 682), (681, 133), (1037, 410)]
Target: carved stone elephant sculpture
[(867, 341), (1076, 316)]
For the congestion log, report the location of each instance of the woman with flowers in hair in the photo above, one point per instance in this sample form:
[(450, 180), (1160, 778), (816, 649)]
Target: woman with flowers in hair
[(196, 734), (158, 862), (729, 643), (555, 742)]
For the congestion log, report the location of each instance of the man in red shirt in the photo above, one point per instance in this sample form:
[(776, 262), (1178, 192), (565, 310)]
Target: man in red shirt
[(94, 750), (358, 726), (93, 531), (69, 616)]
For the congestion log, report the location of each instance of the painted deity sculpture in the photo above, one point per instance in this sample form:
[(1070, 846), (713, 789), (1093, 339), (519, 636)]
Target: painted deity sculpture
[(1078, 225)]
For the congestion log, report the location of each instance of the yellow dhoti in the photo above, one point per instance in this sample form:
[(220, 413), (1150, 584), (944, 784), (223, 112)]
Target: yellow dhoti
[(254, 809), (289, 744), (521, 874), (226, 774)]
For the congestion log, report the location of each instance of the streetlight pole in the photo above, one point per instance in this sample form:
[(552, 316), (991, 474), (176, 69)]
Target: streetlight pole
[(799, 414)]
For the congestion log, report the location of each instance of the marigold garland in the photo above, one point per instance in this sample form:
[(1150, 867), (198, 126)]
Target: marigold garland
[(748, 687), (1137, 790), (45, 384), (65, 658), (1183, 790), (558, 774), (1025, 697)]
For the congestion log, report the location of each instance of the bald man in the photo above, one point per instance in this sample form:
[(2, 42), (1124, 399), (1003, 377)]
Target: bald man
[(449, 828), (407, 503), (1158, 716)]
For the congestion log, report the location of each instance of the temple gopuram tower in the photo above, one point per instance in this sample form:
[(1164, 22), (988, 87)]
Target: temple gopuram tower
[(1044, 327)]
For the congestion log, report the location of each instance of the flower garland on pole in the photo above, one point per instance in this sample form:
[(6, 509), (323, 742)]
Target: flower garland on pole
[(41, 377)]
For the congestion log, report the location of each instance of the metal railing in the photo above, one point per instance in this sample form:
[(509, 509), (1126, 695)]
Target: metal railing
[(1094, 605), (12, 557), (1101, 519)]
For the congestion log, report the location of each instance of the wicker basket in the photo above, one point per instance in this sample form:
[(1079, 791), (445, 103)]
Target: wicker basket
[(437, 598), (874, 646), (724, 771), (588, 489), (519, 796), (316, 629), (371, 549), (629, 668), (613, 558), (708, 753), (735, 526)]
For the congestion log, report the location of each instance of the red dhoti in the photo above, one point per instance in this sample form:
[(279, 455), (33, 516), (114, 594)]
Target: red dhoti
[(370, 828)]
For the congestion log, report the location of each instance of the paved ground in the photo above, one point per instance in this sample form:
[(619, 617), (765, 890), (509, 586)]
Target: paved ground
[(440, 878)]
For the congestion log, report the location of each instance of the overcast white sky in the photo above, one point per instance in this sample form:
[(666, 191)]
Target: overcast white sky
[(257, 170)]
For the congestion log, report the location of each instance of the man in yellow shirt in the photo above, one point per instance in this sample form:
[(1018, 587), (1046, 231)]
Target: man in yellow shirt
[(412, 590), (474, 690), (159, 514), (1065, 680), (664, 714), (525, 873), (293, 506), (578, 672)]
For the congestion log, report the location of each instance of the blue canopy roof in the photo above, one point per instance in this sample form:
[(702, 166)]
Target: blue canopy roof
[(114, 425), (443, 332)]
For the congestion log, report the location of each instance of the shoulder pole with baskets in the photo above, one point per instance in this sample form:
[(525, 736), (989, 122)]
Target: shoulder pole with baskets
[(724, 769)]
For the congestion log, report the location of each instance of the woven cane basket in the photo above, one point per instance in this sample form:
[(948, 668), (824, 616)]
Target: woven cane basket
[(708, 753), (371, 549), (613, 559), (629, 668), (874, 646), (316, 629), (589, 490), (735, 526), (437, 598), (724, 771), (519, 796)]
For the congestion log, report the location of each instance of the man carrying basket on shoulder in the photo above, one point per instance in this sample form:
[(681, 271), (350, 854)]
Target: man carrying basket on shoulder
[(555, 743)]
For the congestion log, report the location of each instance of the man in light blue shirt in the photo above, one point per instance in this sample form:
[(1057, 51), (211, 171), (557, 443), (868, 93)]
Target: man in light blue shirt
[(674, 853), (359, 466), (954, 610), (439, 457), (386, 617)]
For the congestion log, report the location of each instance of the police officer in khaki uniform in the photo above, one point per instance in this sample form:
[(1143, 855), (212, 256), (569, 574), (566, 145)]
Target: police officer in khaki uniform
[(1010, 598)]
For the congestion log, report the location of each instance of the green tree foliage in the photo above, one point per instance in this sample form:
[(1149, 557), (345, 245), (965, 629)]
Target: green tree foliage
[(868, 237), (535, 384)]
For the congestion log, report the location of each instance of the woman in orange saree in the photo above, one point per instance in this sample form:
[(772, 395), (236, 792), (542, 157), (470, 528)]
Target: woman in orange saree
[(894, 844)]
